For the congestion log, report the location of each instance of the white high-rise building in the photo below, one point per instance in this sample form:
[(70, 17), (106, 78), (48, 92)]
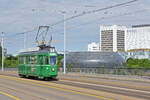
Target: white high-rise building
[(120, 38), (138, 37), (93, 47), (112, 38)]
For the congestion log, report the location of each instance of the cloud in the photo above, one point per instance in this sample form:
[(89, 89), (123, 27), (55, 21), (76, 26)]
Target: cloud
[(20, 15)]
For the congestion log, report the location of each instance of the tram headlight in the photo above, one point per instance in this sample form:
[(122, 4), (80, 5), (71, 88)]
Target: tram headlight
[(53, 69)]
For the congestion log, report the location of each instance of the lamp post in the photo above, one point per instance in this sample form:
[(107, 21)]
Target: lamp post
[(64, 14), (2, 44)]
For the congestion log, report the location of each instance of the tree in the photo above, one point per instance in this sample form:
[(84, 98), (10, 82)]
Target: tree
[(11, 61), (60, 57), (129, 62), (138, 63)]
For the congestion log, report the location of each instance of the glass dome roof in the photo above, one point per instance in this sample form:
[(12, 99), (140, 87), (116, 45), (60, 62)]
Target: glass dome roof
[(94, 59)]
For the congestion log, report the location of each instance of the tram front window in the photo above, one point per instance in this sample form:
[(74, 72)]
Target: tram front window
[(53, 60)]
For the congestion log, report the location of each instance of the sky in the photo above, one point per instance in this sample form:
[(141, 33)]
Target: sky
[(17, 16)]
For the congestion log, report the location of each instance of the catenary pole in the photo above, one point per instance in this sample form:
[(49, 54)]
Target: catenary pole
[(64, 13), (2, 44)]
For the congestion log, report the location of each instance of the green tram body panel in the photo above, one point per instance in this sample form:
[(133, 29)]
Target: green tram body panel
[(38, 64)]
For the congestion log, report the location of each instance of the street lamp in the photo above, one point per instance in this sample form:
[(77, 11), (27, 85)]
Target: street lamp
[(2, 45), (64, 13)]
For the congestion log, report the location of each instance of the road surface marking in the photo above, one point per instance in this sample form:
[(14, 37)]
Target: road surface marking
[(106, 86), (9, 95), (55, 87)]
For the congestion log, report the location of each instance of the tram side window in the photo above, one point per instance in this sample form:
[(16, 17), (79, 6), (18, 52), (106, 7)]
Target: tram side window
[(24, 60), (32, 60), (35, 59), (46, 61), (53, 60), (41, 60), (21, 60), (27, 59)]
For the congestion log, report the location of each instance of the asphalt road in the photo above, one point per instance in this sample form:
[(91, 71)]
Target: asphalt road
[(110, 89), (26, 89), (72, 88), (5, 97)]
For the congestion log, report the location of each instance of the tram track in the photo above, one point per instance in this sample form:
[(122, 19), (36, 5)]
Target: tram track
[(98, 87), (106, 88), (93, 82), (110, 89), (75, 90)]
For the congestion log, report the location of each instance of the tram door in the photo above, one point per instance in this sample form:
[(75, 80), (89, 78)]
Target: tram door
[(41, 64)]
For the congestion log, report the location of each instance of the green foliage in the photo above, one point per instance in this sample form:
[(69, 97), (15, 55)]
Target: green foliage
[(11, 61), (59, 64), (70, 66), (59, 60), (138, 63), (10, 57)]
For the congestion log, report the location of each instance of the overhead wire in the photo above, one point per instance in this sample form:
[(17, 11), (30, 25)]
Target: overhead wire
[(102, 18), (20, 33), (75, 16), (81, 14), (89, 12), (94, 11)]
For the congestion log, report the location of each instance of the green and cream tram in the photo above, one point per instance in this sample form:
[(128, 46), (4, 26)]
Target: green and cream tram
[(40, 63)]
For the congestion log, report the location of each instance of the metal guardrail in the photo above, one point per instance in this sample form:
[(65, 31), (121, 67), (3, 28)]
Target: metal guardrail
[(113, 71), (10, 69)]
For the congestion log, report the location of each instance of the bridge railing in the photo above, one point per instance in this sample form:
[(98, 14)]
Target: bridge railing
[(114, 71)]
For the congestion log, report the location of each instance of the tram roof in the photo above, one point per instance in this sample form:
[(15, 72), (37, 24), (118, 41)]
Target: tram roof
[(46, 50)]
